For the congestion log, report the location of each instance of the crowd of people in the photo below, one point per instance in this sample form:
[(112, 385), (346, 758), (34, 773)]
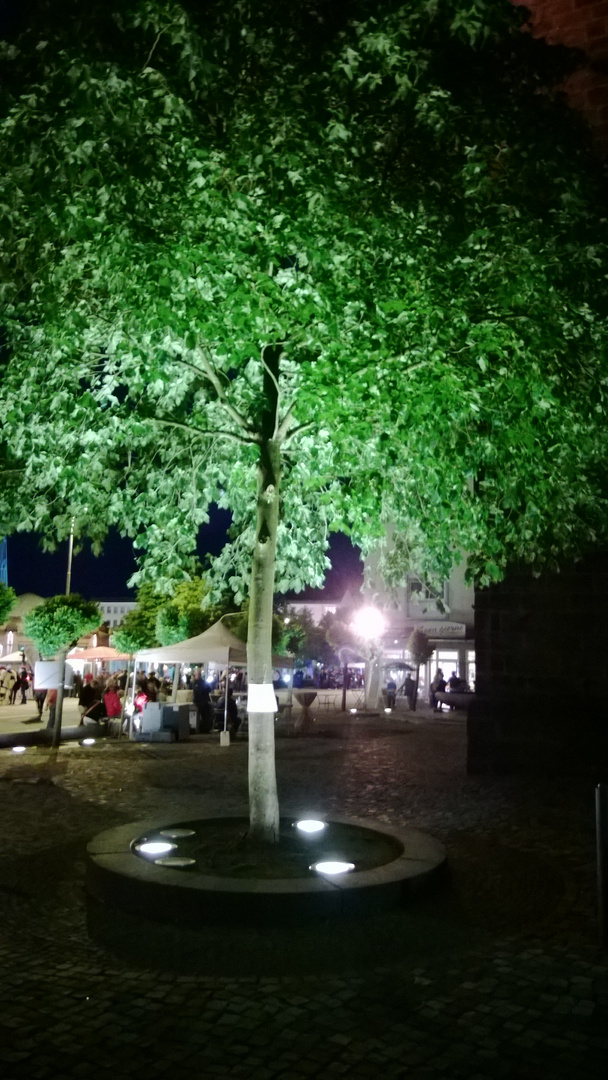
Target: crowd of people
[(440, 685), (101, 696), (13, 683)]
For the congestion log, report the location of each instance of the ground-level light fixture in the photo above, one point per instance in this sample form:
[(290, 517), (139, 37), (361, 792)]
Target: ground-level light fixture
[(155, 847), (332, 866), (388, 710), (310, 825), (19, 749), (353, 710), (177, 862), (87, 742)]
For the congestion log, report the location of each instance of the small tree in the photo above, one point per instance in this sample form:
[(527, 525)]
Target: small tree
[(185, 616), (54, 627), (420, 650), (138, 628), (7, 601), (304, 638)]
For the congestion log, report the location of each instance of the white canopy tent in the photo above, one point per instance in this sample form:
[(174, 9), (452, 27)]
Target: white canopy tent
[(217, 645)]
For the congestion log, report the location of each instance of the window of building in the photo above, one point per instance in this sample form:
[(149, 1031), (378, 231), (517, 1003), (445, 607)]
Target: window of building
[(424, 601)]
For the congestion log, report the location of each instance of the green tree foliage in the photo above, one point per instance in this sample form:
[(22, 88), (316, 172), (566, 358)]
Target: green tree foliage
[(419, 647), (404, 213), (8, 599), (187, 614), (58, 622), (326, 267), (303, 638), (137, 630)]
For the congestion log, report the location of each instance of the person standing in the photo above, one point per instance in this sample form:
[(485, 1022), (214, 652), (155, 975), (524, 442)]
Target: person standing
[(50, 704), (23, 686), (204, 711), (410, 690), (440, 689), (438, 676), (39, 696)]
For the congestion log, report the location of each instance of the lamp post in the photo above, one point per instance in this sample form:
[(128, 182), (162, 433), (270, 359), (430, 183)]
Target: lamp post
[(68, 579), (369, 624)]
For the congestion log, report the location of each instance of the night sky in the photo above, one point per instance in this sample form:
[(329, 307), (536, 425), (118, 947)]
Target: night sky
[(105, 577)]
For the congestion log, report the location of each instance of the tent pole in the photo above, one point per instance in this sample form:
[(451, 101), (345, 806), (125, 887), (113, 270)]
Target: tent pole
[(226, 701), (176, 674)]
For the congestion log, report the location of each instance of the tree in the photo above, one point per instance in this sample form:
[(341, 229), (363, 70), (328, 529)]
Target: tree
[(303, 638), (56, 625), (187, 614), (325, 278), (8, 599), (420, 650), (137, 630)]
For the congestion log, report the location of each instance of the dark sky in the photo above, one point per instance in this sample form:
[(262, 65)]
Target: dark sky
[(105, 577)]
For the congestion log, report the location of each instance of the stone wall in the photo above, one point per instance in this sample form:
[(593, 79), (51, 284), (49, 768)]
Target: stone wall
[(583, 25), (542, 674)]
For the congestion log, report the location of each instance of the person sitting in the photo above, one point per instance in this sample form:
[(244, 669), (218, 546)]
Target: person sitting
[(87, 695), (111, 700), (234, 720)]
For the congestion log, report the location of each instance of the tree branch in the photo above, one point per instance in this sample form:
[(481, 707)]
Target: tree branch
[(230, 409), (278, 390), (251, 440), (298, 429)]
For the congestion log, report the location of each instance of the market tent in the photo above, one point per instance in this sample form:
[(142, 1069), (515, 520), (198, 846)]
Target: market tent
[(12, 658), (98, 652), (217, 645)]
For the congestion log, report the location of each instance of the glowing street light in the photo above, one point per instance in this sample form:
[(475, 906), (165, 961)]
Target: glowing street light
[(369, 623)]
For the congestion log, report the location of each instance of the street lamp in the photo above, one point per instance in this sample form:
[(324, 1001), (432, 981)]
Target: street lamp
[(370, 624)]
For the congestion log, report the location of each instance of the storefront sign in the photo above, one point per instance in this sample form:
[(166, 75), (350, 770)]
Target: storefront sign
[(442, 629)]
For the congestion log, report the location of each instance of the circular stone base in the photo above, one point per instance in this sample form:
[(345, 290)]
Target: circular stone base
[(121, 880)]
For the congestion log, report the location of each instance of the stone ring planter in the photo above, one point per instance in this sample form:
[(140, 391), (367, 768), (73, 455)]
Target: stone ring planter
[(121, 880)]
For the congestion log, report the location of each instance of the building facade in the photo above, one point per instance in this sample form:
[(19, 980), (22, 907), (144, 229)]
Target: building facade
[(114, 611)]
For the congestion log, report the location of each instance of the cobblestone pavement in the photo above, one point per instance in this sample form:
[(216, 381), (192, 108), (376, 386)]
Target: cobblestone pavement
[(496, 974)]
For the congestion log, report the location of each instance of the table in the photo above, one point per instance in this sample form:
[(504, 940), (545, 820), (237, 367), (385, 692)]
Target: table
[(305, 719)]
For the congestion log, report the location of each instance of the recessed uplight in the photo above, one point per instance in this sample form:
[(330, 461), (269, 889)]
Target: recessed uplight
[(178, 862), (87, 742), (388, 710), (353, 710), (155, 847), (332, 867), (19, 749), (310, 825)]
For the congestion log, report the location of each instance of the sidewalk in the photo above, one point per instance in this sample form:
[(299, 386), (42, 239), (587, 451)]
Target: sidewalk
[(16, 718), (498, 975)]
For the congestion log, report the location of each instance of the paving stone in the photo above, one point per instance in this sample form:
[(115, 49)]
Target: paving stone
[(519, 971)]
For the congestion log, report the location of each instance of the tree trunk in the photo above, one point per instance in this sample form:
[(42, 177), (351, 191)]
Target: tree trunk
[(344, 686), (415, 694), (263, 799), (372, 681), (61, 657)]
